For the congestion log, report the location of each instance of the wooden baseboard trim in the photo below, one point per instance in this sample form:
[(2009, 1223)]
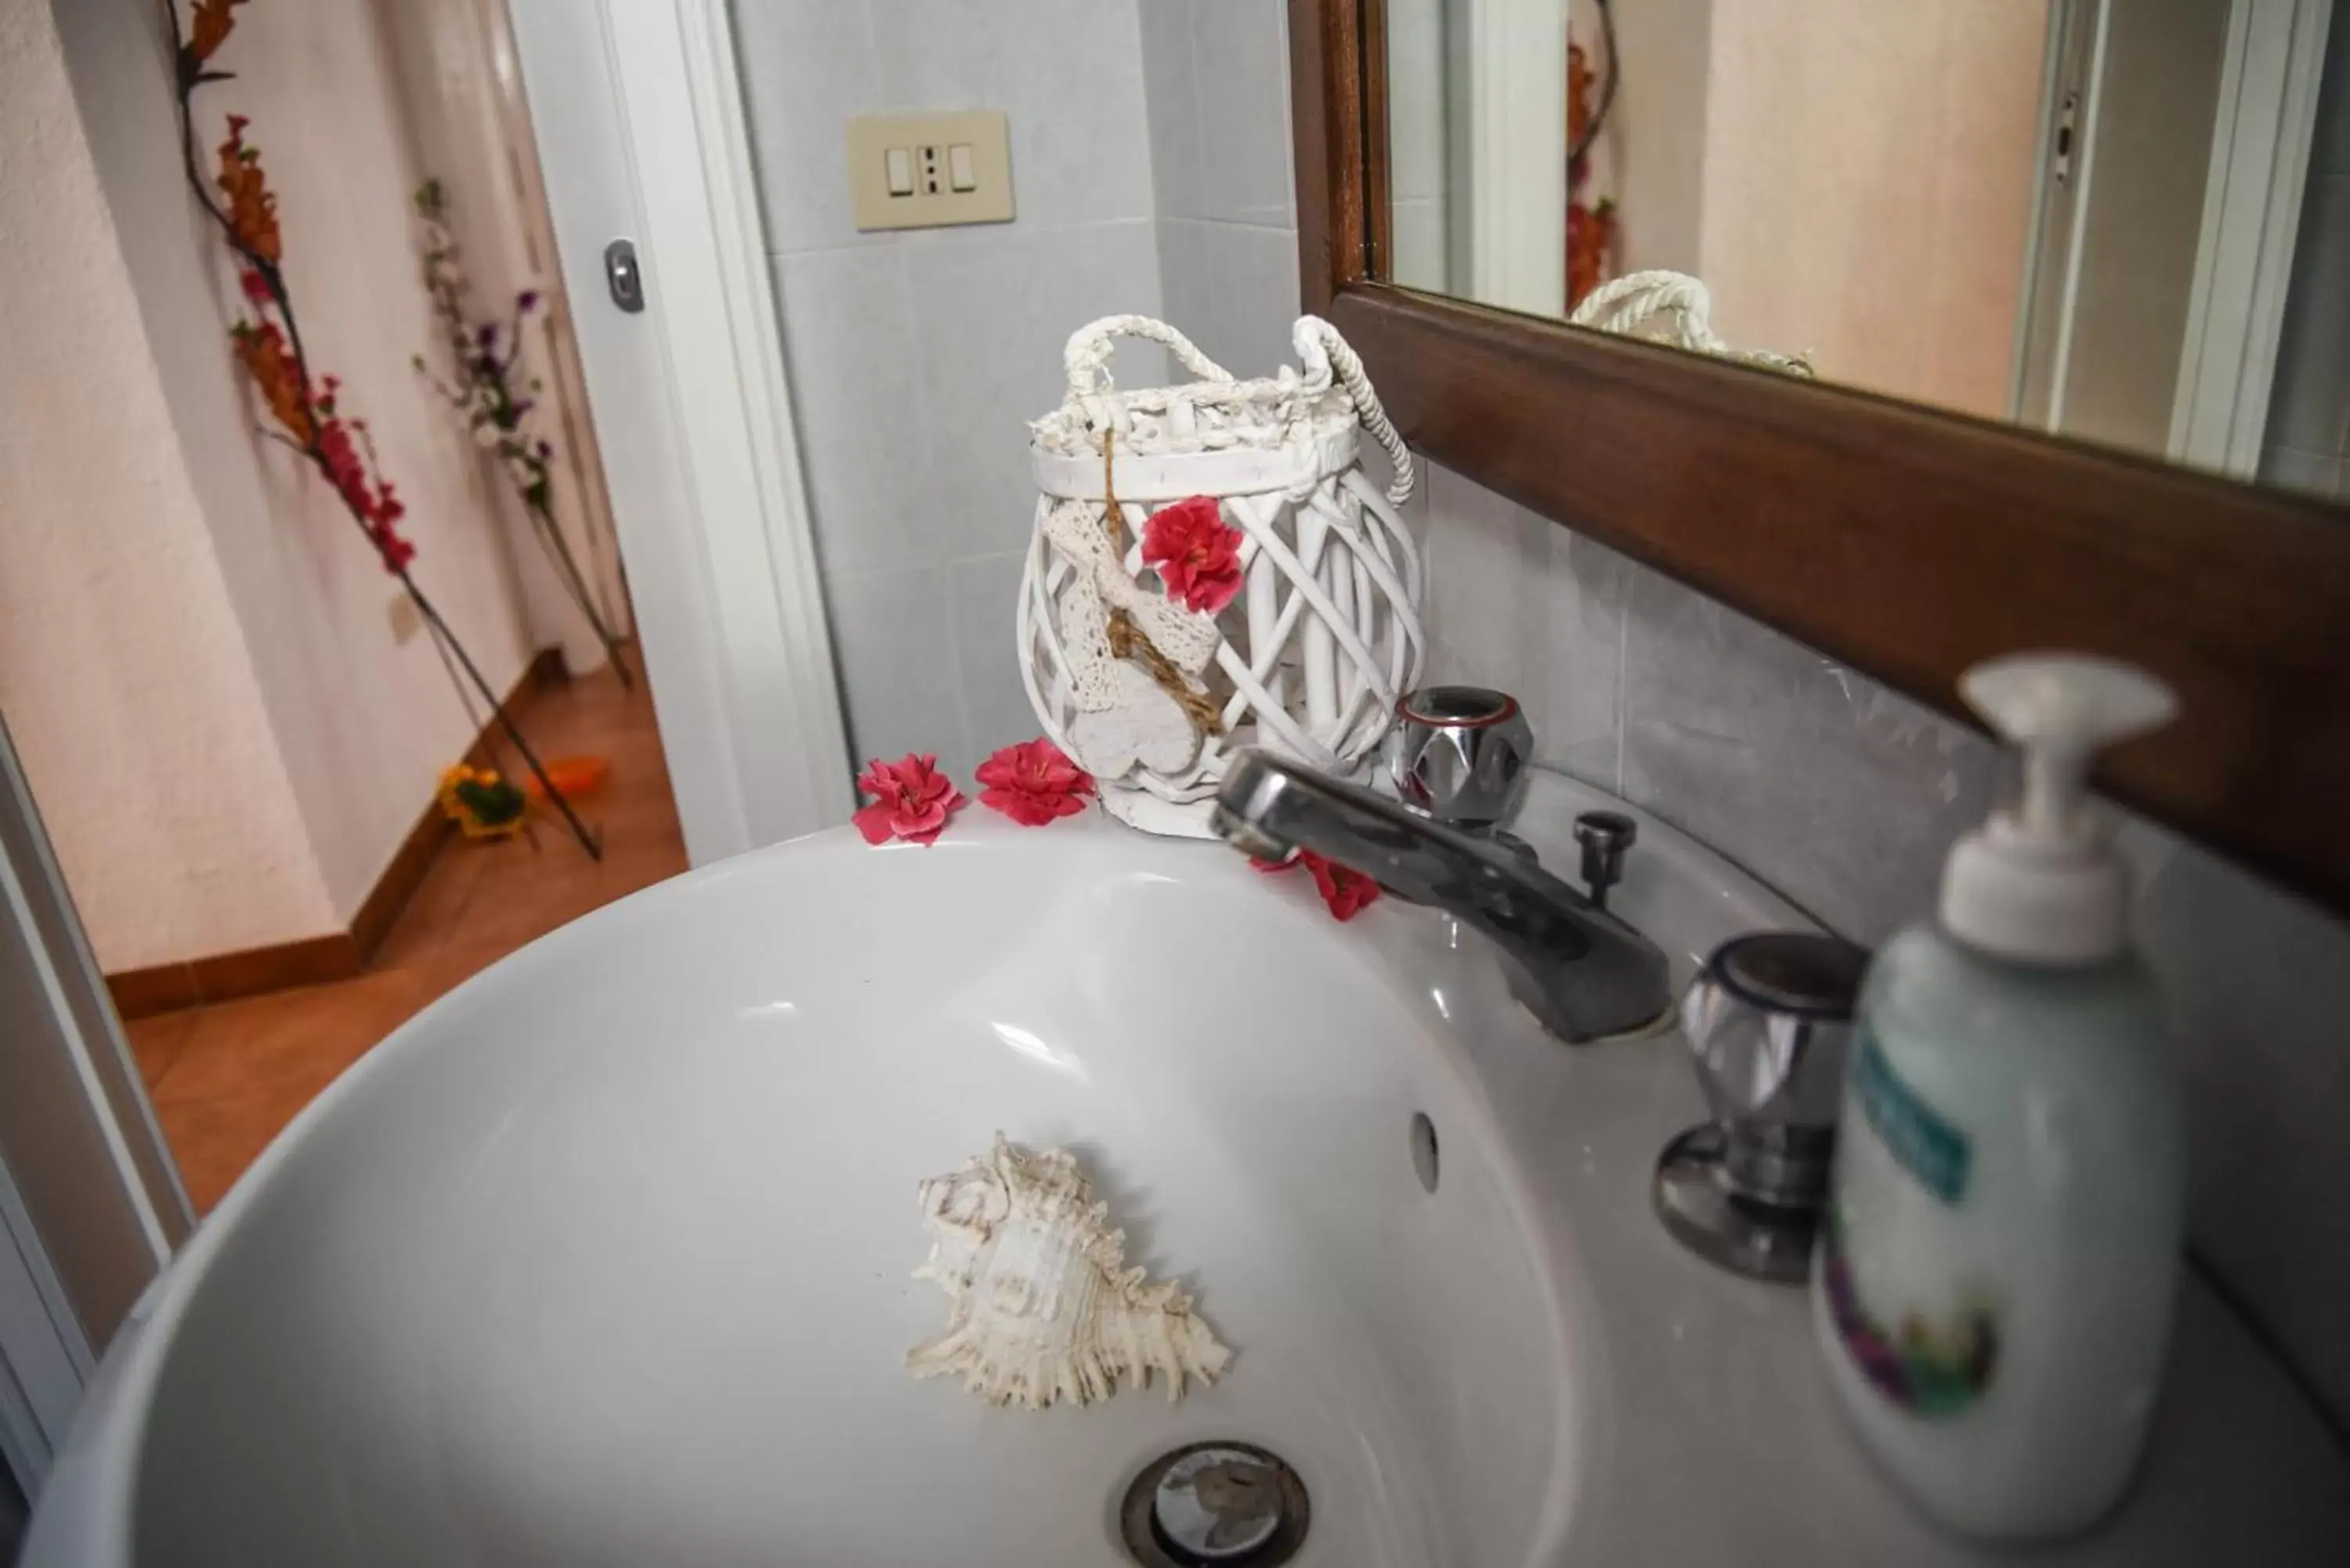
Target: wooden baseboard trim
[(339, 955), (404, 873)]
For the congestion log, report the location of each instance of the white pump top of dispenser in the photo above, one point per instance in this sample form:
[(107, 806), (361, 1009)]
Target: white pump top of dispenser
[(2038, 882)]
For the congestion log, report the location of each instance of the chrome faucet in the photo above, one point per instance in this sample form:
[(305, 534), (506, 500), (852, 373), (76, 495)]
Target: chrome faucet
[(1583, 972)]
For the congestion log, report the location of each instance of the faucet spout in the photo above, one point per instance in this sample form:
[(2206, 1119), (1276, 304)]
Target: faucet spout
[(1584, 973)]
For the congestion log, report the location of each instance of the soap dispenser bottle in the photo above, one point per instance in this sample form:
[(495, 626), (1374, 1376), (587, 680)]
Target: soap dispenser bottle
[(1993, 1294)]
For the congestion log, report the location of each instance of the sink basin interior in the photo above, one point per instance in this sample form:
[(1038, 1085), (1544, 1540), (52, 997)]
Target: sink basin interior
[(607, 1258)]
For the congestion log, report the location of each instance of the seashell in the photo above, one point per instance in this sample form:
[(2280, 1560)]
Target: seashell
[(1044, 1306)]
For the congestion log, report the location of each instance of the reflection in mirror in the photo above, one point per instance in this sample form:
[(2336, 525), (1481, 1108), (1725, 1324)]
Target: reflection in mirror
[(2083, 216)]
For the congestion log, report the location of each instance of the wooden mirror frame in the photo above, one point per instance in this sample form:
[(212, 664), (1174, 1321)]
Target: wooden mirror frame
[(1904, 542)]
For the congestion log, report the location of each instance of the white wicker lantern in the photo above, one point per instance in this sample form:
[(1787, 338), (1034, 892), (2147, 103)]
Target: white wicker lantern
[(1154, 698)]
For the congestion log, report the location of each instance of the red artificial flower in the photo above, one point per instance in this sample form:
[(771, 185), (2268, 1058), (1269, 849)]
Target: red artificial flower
[(252, 210), (1033, 783), (1197, 553), (382, 527), (307, 414), (209, 26), (267, 357), (396, 551), (916, 800), (1346, 890), (369, 496), (341, 456)]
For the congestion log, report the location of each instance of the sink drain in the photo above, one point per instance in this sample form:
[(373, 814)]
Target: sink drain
[(1214, 1505)]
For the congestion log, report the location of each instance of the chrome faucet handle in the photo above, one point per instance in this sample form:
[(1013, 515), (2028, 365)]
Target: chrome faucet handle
[(1458, 755), (1605, 837), (1769, 1022)]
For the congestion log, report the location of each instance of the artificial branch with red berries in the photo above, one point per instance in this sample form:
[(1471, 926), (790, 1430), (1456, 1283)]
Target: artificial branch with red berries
[(268, 344)]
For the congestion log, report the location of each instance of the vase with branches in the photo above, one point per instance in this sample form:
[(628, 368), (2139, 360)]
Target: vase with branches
[(480, 383), (307, 412)]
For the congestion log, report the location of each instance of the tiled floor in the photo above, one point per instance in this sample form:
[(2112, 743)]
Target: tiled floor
[(226, 1077)]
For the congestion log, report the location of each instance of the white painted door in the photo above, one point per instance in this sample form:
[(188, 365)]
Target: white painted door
[(638, 115)]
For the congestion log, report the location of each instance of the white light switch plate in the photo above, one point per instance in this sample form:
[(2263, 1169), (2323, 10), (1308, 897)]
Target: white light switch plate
[(938, 147)]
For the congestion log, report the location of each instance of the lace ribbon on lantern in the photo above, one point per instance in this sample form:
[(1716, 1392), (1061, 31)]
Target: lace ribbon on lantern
[(1106, 616)]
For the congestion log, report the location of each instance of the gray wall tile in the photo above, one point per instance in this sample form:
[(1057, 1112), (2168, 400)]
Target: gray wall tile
[(1576, 700), (1242, 53), (981, 592), (893, 643), (1516, 602), (1067, 73), (993, 309), (1231, 288), (1170, 89), (1838, 792), (1218, 82), (1187, 299), (1471, 555), (861, 407), (1257, 270), (806, 67)]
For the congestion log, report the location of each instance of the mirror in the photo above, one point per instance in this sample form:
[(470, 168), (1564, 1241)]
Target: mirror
[(2127, 222)]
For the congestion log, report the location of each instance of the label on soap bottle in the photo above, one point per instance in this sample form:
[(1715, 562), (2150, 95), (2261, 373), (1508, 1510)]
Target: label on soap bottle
[(1929, 1145), (1920, 1329)]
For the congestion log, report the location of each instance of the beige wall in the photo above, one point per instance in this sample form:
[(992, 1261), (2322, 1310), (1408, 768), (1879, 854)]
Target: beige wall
[(366, 725), (1851, 179), (246, 658), (124, 675), (1651, 153), (448, 79), (1869, 184)]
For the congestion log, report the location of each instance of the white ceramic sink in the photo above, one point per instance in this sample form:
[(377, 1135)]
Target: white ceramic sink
[(605, 1258)]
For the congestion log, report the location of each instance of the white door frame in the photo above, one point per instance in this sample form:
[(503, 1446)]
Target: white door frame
[(2264, 112), (2251, 221), (91, 1207), (639, 114), (1509, 233)]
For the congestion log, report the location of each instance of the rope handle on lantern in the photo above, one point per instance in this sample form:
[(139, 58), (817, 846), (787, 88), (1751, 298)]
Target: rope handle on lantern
[(1323, 357), (1321, 354), (1627, 304), (1087, 358), (1623, 303)]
